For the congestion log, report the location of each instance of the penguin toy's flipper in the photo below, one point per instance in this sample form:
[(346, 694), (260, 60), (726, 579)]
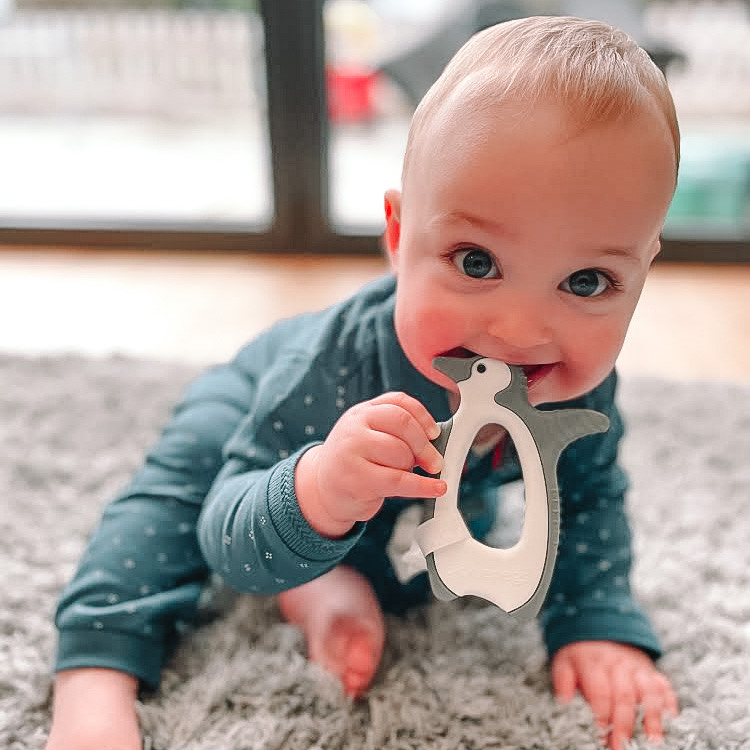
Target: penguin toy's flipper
[(514, 579)]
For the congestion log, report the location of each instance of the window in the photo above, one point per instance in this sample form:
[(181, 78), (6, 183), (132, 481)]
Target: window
[(129, 115), (276, 125)]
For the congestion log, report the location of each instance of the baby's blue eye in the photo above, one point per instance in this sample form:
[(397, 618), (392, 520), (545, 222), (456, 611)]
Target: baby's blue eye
[(586, 283), (476, 263)]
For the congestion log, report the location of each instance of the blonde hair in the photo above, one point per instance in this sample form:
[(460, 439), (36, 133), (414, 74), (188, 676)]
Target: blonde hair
[(597, 72)]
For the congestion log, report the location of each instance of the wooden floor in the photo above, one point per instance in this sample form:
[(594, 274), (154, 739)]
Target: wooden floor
[(693, 321)]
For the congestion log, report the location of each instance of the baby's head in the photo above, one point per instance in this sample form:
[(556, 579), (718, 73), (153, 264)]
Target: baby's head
[(594, 72), (538, 173)]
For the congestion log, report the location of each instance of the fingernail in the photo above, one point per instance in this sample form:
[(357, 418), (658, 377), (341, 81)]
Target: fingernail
[(436, 465), (434, 432)]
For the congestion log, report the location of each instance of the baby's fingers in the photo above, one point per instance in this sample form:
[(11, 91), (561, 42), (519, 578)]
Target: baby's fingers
[(657, 699), (564, 678), (415, 407), (624, 705), (596, 688), (405, 418), (408, 484)]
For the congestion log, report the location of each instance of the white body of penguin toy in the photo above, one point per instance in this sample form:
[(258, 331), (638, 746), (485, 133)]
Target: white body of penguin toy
[(514, 579)]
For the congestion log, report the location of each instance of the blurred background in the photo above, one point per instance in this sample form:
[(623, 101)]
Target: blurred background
[(186, 171)]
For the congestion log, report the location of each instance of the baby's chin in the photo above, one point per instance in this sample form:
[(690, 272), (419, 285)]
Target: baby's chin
[(440, 379), (429, 372)]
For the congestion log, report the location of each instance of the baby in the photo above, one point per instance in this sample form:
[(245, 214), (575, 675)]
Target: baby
[(537, 176)]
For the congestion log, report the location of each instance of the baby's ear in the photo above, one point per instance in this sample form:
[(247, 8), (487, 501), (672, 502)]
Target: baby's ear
[(655, 250), (392, 235)]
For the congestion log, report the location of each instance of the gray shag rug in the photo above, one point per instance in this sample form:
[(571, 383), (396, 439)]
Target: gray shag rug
[(455, 675)]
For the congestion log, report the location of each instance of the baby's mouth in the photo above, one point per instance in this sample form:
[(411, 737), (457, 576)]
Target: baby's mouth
[(534, 373), (459, 353)]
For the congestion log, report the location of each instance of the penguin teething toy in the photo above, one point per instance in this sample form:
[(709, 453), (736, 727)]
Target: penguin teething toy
[(515, 579)]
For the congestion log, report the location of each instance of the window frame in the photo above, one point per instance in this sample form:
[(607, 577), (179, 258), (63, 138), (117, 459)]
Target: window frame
[(299, 139)]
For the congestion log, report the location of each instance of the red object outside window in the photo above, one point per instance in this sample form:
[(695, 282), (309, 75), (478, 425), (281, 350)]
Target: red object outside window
[(350, 94)]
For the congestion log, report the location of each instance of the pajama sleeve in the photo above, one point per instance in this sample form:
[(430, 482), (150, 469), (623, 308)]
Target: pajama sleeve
[(254, 535), (252, 531), (140, 578), (590, 596)]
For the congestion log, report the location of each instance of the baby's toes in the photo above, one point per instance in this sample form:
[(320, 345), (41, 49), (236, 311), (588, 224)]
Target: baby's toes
[(352, 652), (362, 663)]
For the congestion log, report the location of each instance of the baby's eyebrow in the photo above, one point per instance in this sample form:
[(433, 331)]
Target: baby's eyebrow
[(460, 216), (626, 253)]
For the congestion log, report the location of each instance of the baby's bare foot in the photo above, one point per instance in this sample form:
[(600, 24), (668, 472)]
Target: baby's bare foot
[(343, 625), (350, 650)]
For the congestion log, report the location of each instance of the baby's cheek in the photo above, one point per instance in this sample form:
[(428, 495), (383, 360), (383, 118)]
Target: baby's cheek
[(600, 346), (438, 329), (432, 335), (591, 367)]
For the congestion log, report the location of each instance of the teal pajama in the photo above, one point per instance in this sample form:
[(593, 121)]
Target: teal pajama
[(216, 494)]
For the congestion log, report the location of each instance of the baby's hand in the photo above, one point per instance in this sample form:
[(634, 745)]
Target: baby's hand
[(368, 455), (615, 679), (94, 709)]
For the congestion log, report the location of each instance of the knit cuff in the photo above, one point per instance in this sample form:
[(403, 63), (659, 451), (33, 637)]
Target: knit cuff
[(604, 624), (123, 652), (293, 527)]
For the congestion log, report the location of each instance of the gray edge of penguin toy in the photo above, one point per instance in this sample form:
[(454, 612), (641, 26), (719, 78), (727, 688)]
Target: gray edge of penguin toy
[(552, 431)]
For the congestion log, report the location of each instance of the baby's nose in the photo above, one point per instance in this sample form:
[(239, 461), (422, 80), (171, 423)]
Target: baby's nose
[(520, 327)]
